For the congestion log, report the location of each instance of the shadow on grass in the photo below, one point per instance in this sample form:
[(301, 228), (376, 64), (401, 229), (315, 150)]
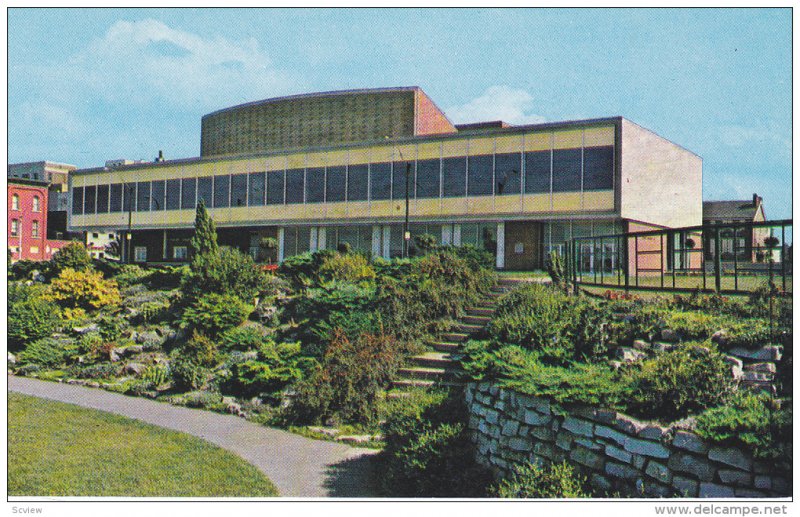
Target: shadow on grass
[(354, 477)]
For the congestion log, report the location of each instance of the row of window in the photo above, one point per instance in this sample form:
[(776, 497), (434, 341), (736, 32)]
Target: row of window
[(36, 203), (15, 228), (559, 170)]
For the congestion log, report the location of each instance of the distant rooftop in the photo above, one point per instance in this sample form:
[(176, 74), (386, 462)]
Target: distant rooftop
[(745, 209)]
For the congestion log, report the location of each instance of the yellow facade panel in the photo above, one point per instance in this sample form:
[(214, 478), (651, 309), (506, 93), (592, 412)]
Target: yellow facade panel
[(358, 156), (386, 208), (508, 144), (538, 141), (480, 205), (240, 213), (536, 203), (381, 154), (426, 208), (598, 200), (597, 136), (454, 206), (336, 210), (316, 160), (275, 163), (115, 219), (481, 146), (337, 158), (180, 217), (360, 209), (429, 151), (566, 201), (508, 204), (295, 161), (567, 139), (293, 211), (405, 153), (452, 148)]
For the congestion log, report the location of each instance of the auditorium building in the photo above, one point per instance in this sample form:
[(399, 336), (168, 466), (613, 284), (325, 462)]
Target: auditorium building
[(317, 170)]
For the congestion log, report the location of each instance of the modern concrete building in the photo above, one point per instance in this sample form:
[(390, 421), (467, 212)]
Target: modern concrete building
[(318, 170)]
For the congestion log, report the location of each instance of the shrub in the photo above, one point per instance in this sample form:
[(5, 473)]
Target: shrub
[(131, 274), (557, 480), (276, 367), (166, 277), (214, 313), (302, 270), (31, 319), (24, 269), (226, 271), (352, 268), (555, 268), (187, 374), (111, 327), (84, 289), (95, 371), (200, 349), (153, 312), (242, 338), (48, 352), (72, 256), (677, 383), (156, 375)]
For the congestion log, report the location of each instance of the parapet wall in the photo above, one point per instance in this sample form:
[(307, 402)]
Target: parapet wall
[(617, 453)]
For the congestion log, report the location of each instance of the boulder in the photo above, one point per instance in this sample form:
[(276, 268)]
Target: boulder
[(761, 367), (115, 355), (148, 336), (661, 346), (770, 353), (720, 337), (93, 327), (641, 344), (133, 369), (733, 361), (749, 376), (670, 336), (629, 355), (11, 359)]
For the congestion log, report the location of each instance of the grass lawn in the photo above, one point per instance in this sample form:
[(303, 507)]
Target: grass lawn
[(57, 449), (523, 275)]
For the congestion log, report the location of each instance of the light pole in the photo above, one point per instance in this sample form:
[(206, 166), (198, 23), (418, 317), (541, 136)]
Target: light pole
[(130, 223)]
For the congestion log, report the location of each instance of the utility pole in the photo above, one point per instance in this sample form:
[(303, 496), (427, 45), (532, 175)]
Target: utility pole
[(406, 231), (130, 224)]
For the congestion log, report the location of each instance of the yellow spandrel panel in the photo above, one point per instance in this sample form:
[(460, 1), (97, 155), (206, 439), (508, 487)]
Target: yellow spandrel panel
[(271, 213), (481, 205), (428, 151), (387, 208), (598, 200), (567, 139), (274, 163), (508, 204), (597, 136), (294, 211), (358, 209), (405, 152), (566, 201), (336, 210), (180, 217), (536, 203), (426, 208), (508, 144), (481, 145), (114, 219), (380, 154), (316, 160), (295, 161), (454, 206), (538, 141), (359, 156), (241, 213), (452, 148), (337, 158)]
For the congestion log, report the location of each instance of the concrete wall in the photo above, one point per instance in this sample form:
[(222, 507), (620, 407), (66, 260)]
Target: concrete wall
[(617, 453), (660, 182)]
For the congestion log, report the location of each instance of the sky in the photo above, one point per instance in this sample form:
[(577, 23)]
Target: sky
[(89, 85)]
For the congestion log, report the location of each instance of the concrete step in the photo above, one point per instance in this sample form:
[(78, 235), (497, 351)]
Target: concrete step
[(396, 394), (495, 294), (481, 311), (442, 346), (418, 383), (476, 320), (465, 328), (433, 360), (432, 374), (455, 337), (487, 303)]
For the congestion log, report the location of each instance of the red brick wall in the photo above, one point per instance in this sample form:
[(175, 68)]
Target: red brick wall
[(26, 217), (430, 119)]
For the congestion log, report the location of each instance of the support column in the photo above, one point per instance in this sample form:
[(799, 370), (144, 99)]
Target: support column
[(447, 234), (456, 235), (312, 244), (322, 232), (387, 238), (280, 245), (376, 241), (164, 246), (500, 262)]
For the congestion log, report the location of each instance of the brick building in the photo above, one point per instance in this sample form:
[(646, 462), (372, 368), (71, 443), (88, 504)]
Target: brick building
[(27, 220)]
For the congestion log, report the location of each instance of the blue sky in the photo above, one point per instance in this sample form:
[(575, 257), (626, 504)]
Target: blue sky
[(87, 85)]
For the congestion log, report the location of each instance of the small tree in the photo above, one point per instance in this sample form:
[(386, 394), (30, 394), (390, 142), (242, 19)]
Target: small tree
[(205, 232), (72, 256), (555, 268), (266, 248)]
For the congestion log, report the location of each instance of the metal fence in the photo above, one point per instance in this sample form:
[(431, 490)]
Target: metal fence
[(725, 258)]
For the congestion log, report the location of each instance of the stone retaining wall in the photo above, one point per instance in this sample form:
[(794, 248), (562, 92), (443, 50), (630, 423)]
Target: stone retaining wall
[(616, 453)]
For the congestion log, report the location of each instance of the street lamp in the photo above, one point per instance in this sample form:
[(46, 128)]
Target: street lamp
[(128, 195), (406, 230)]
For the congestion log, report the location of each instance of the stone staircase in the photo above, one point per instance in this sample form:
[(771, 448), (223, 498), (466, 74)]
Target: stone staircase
[(440, 367)]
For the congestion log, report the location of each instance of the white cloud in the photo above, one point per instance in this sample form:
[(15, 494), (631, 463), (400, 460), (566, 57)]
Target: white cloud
[(747, 138), (497, 103)]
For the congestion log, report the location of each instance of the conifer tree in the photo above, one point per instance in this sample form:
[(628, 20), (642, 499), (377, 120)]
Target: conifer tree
[(205, 232)]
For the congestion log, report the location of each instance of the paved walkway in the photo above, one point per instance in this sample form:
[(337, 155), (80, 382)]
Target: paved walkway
[(298, 466)]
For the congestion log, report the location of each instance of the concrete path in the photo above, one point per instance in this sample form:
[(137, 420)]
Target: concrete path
[(298, 466)]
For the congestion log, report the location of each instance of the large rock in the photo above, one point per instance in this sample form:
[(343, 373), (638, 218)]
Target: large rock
[(577, 426), (133, 369), (641, 344), (715, 491), (629, 355), (618, 470), (587, 458), (735, 477), (761, 367), (670, 336), (770, 353), (689, 442), (686, 487), (750, 376), (659, 472), (646, 448), (11, 359), (720, 337), (731, 456), (697, 467), (93, 327), (148, 337)]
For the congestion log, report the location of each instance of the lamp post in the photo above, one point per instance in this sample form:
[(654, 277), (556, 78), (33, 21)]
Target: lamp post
[(406, 231), (130, 223)]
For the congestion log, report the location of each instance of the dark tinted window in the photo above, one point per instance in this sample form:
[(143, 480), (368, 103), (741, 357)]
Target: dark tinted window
[(102, 199), (275, 188), (357, 182), (295, 184), (598, 168), (143, 196), (173, 194), (566, 170), (77, 200), (507, 172), (381, 180), (129, 197), (480, 175), (256, 191), (454, 171), (335, 184), (115, 197), (204, 186), (239, 190), (222, 191), (315, 185), (399, 180), (89, 198), (537, 172), (188, 193), (157, 202), (428, 178)]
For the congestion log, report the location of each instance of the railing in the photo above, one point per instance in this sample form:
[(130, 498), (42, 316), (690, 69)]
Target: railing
[(725, 258)]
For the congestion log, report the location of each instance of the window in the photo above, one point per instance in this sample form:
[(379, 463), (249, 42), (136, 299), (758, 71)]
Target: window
[(115, 197), (256, 189), (143, 196), (36, 204), (481, 182), (102, 199), (173, 201), (275, 187), (381, 180), (95, 236), (110, 235), (598, 168), (507, 173), (140, 253), (537, 172), (77, 200), (239, 190), (357, 177), (180, 252), (129, 201), (222, 191), (315, 185), (454, 171), (399, 171), (15, 202), (566, 170), (158, 195), (295, 185), (428, 178), (15, 227), (35, 229), (204, 190), (335, 184), (188, 193), (89, 198)]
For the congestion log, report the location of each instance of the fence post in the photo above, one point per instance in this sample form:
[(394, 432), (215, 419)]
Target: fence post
[(717, 261), (627, 264)]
